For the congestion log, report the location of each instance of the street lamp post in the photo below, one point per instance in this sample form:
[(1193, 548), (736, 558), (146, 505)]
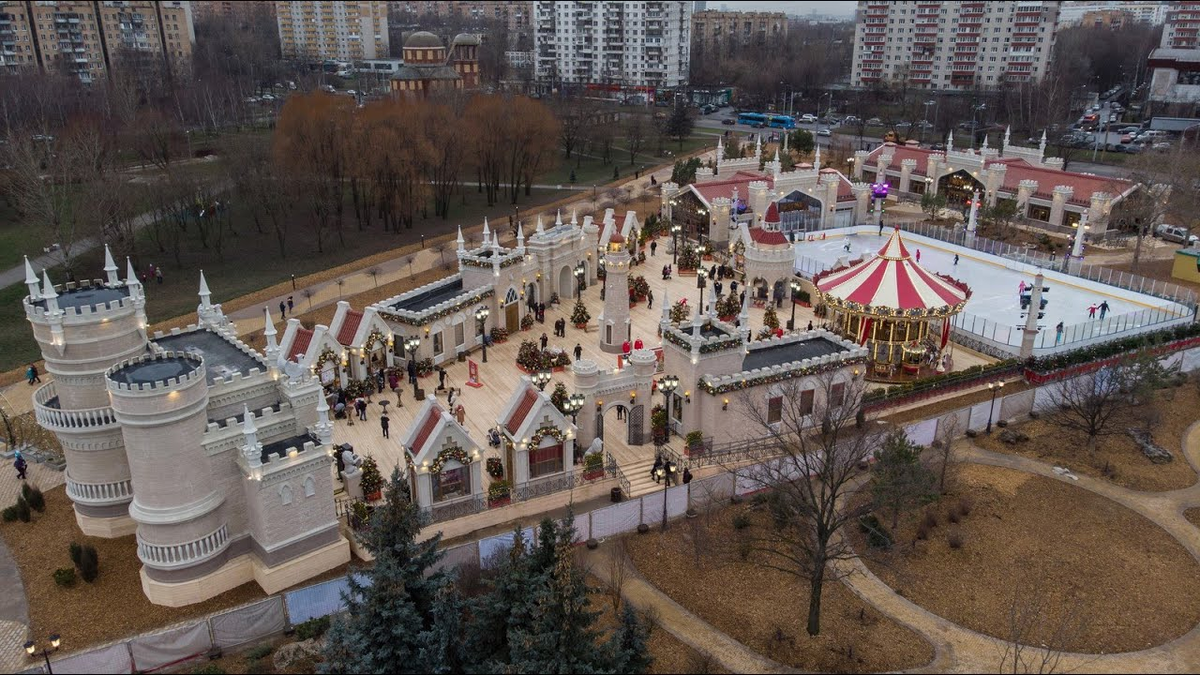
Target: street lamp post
[(481, 316), (412, 344), (700, 279), (668, 384), (665, 473), (995, 388), (541, 378), (574, 405), (675, 230), (579, 272), (926, 105), (31, 648), (795, 292)]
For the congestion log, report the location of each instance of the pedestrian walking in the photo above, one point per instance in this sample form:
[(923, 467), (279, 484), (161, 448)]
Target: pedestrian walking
[(545, 341), (1103, 309), (881, 228), (460, 415), (282, 311), (649, 299), (687, 476), (158, 275), (20, 465), (1058, 333), (383, 424), (412, 371), (712, 272), (810, 326), (290, 305), (441, 378), (578, 351), (620, 412), (450, 398), (733, 286), (32, 373), (1092, 311), (653, 247), (658, 463)]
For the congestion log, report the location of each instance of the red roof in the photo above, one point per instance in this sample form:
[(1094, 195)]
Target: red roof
[(300, 344), (616, 238), (1018, 170), (772, 214), (892, 279), (518, 416), (345, 336), (435, 414), (741, 180), (768, 237)]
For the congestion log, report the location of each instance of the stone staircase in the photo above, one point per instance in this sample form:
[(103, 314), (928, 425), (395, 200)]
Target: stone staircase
[(638, 473)]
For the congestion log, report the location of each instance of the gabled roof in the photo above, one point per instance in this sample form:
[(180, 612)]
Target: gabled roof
[(429, 431), (526, 411), (710, 190), (300, 344), (768, 237), (517, 418), (349, 327)]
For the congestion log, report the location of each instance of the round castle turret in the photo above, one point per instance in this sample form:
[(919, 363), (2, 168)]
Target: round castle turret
[(614, 323), (82, 330), (160, 402)]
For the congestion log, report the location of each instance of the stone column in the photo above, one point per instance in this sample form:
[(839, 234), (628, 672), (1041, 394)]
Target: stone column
[(862, 201), (828, 190), (1061, 194), (669, 192), (1025, 190), (906, 169), (1030, 331), (1099, 210), (718, 219), (758, 196), (933, 170), (995, 181), (881, 164), (860, 161)]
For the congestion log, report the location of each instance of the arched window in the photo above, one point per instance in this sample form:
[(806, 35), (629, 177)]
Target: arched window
[(285, 494), (511, 296), (310, 487)]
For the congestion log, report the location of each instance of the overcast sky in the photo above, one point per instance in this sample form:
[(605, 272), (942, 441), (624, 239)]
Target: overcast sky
[(829, 7)]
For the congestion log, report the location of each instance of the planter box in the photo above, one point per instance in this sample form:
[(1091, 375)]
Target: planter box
[(728, 319), (498, 502), (686, 273), (801, 303), (375, 496), (581, 326), (593, 474)]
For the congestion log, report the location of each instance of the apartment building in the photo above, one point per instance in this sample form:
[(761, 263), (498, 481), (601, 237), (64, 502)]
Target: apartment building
[(1088, 13), (90, 39), (725, 32), (1175, 76), (617, 45), (232, 9), (517, 15), (318, 31), (1181, 27), (953, 45)]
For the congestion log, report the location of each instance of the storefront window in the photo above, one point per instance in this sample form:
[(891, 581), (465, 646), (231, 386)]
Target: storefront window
[(451, 483)]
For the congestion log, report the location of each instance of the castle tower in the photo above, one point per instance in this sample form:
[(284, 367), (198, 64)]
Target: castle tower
[(82, 330), (614, 322), (161, 402)]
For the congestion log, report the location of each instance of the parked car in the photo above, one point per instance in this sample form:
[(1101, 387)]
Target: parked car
[(1128, 130), (728, 121), (851, 119), (938, 146), (1176, 234), (808, 118), (1161, 146), (824, 132), (874, 122)]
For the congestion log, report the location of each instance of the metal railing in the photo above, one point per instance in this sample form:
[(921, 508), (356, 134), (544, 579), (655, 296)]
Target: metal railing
[(733, 452), (939, 386), (611, 468), (440, 513)]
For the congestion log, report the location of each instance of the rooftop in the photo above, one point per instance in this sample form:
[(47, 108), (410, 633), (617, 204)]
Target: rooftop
[(155, 370), (220, 357), (91, 296), (431, 297), (791, 351), (280, 448)]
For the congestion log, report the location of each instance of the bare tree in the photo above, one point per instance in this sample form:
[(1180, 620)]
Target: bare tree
[(948, 429), (811, 475), (1092, 404), (408, 260), (1040, 631), (635, 135), (617, 565)]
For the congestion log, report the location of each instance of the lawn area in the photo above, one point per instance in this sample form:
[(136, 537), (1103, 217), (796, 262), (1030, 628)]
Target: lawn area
[(16, 238)]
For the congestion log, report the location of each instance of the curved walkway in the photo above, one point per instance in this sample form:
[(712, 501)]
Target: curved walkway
[(958, 649)]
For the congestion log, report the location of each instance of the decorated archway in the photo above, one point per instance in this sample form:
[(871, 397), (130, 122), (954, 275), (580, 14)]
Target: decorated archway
[(630, 387), (958, 188), (800, 211), (566, 283)]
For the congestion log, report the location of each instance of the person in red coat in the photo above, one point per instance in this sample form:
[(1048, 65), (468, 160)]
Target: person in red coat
[(625, 347)]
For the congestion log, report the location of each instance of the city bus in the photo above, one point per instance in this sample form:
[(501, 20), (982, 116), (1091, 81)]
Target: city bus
[(769, 120)]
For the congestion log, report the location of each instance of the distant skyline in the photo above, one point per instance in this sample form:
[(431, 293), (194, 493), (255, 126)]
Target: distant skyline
[(801, 8)]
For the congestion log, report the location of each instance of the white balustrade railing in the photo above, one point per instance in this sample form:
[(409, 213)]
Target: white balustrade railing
[(57, 419), (100, 493), (180, 555)]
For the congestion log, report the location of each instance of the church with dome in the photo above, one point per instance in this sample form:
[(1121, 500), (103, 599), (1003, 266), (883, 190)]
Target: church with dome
[(429, 67)]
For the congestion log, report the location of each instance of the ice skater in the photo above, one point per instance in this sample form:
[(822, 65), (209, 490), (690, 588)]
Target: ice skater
[(1058, 333), (956, 260), (1092, 310), (918, 255), (1103, 309), (1021, 288)]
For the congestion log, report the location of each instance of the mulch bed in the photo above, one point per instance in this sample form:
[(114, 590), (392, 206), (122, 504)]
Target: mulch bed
[(1127, 466), (766, 609), (113, 606), (1132, 586), (1193, 516)]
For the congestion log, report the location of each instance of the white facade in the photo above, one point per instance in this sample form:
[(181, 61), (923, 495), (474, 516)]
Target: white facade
[(630, 44), (1149, 12), (953, 46)]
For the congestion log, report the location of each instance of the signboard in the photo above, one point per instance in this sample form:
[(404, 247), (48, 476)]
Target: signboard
[(473, 374)]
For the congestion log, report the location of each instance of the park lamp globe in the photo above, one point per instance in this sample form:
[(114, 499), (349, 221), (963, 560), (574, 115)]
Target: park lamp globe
[(668, 383)]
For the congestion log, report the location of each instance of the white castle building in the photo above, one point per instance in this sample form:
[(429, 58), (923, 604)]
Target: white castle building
[(216, 456)]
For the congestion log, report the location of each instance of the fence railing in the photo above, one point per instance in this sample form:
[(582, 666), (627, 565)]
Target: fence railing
[(726, 454), (439, 513), (938, 386)]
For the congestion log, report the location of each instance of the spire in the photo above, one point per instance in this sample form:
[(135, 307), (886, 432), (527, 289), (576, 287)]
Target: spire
[(1007, 138), (250, 434), (110, 267), (48, 292), (785, 140), (817, 160), (558, 218), (666, 307), (574, 221), (758, 147), (949, 141), (540, 227), (460, 241), (131, 280), (520, 237), (31, 281), (487, 234), (776, 155), (1042, 144), (269, 331), (985, 144), (205, 294)]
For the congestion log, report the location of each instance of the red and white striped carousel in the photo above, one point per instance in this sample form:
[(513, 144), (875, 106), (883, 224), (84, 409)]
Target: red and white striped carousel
[(888, 303)]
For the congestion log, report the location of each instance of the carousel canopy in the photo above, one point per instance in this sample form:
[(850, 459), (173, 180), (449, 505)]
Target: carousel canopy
[(892, 282)]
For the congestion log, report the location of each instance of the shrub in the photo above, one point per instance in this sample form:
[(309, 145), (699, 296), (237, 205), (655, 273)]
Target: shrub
[(922, 532), (89, 564), (952, 515), (258, 667), (955, 539), (34, 497), (64, 576), (694, 439), (23, 512), (1108, 471), (930, 520), (499, 489), (527, 322), (76, 550), (9, 514), (964, 506), (208, 669), (741, 521), (877, 534), (499, 334), (371, 481), (593, 462), (313, 628), (259, 652)]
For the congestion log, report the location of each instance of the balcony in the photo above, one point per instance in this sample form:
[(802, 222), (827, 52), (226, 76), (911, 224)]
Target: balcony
[(48, 414), (183, 555), (99, 494)]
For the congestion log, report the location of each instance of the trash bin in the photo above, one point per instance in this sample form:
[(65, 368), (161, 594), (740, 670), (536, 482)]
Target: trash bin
[(615, 494)]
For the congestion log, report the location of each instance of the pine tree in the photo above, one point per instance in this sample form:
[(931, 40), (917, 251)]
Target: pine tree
[(580, 314), (899, 480), (627, 647), (506, 606), (770, 318), (395, 619)]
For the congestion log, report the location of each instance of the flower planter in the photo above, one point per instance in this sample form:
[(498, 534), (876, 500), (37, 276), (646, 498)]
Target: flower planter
[(801, 303), (729, 318), (581, 326), (593, 474), (687, 273), (708, 257), (375, 496), (498, 502)]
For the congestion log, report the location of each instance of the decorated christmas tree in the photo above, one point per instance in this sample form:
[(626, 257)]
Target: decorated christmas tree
[(689, 258), (770, 319), (679, 311), (729, 305), (559, 397), (579, 315)]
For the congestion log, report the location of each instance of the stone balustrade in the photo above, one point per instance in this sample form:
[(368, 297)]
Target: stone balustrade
[(50, 416), (183, 555), (100, 493)]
